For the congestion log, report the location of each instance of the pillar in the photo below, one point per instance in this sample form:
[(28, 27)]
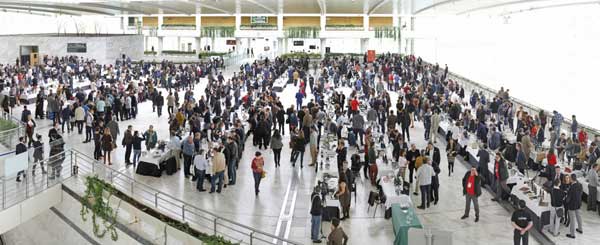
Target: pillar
[(322, 47), (412, 40), (280, 22), (146, 43), (160, 46), (160, 22), (212, 44), (179, 43), (323, 20), (397, 23), (364, 44), (285, 45), (366, 21), (238, 45), (238, 21), (198, 45)]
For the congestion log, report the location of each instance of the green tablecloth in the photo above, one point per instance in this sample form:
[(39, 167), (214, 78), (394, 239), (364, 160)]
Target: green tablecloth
[(401, 223)]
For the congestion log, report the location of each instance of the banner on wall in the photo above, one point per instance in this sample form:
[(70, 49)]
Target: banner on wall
[(370, 55)]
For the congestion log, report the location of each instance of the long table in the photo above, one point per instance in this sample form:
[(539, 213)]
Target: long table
[(540, 211), (403, 220)]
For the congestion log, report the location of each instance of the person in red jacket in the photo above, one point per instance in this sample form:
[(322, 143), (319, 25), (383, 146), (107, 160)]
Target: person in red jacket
[(354, 104), (582, 137), (551, 157)]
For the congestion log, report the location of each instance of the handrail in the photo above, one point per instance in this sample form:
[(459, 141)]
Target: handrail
[(183, 205)]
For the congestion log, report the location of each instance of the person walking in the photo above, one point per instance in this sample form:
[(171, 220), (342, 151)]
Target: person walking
[(573, 203), (556, 211), (501, 175), (218, 169), (257, 170), (451, 152), (107, 146), (424, 176), (313, 146), (38, 155), (337, 235), (188, 149), (127, 142), (592, 178), (89, 124), (200, 166), (316, 210), (159, 101), (276, 145), (471, 183), (522, 222), (298, 146)]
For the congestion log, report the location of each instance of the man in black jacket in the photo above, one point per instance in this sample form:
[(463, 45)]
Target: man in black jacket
[(159, 100), (573, 204), (434, 153), (472, 190), (316, 211), (21, 148), (484, 160), (556, 200)]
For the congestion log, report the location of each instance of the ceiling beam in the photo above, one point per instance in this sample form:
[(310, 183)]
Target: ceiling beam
[(37, 10), (549, 6), (499, 5), (378, 5), (160, 6), (441, 3), (107, 6), (204, 5), (262, 6), (55, 6)]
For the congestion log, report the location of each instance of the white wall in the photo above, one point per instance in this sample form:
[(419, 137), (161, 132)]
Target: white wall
[(15, 23), (548, 58)]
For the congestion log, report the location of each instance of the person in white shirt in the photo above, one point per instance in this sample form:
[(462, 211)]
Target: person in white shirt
[(424, 175), (200, 166), (402, 163)]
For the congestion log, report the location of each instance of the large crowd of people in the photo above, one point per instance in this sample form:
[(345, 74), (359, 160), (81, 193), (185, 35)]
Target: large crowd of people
[(208, 132)]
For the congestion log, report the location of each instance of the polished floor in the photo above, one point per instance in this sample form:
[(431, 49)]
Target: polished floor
[(264, 212)]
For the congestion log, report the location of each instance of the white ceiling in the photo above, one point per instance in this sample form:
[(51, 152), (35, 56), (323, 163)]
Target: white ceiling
[(188, 7)]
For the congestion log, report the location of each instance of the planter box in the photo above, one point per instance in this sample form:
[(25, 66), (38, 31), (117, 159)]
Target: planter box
[(182, 27), (270, 28), (344, 28)]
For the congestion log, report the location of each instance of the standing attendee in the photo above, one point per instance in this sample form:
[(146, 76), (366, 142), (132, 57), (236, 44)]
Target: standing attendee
[(38, 155), (257, 170), (89, 124), (188, 149), (79, 118), (451, 152), (313, 146), (160, 101), (501, 175), (151, 138), (557, 211), (127, 142), (592, 178), (484, 160), (316, 210), (424, 175), (107, 146), (113, 126), (521, 221), (337, 235), (218, 169), (276, 145), (573, 203), (343, 195), (21, 148), (137, 147), (200, 166), (471, 183), (411, 156), (29, 130)]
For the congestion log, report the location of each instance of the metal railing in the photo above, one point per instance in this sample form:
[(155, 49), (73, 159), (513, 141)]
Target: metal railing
[(73, 163), (10, 138)]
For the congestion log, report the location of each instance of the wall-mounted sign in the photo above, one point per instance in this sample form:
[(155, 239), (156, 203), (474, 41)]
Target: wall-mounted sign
[(76, 47), (259, 19), (312, 47), (230, 42), (298, 43)]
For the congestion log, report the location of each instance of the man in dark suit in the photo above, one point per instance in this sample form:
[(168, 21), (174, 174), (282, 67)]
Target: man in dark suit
[(21, 148), (573, 204), (484, 159), (471, 183), (434, 153)]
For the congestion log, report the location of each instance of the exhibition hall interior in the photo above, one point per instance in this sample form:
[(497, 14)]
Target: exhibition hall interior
[(405, 122)]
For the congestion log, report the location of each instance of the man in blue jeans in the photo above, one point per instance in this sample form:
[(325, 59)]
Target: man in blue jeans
[(315, 211)]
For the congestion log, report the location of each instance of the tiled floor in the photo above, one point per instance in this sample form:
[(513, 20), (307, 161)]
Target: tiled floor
[(263, 212)]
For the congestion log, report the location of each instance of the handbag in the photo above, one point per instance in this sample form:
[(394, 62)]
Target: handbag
[(263, 174), (559, 212)]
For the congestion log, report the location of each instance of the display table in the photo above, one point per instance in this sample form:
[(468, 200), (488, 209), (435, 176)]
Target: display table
[(403, 220), (540, 211), (150, 163)]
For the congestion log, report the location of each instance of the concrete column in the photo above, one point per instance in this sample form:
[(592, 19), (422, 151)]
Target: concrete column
[(248, 43), (145, 43), (238, 45), (396, 22), (198, 44), (322, 47), (160, 46), (366, 22), (160, 22), (364, 44), (198, 21), (178, 43), (212, 44), (280, 22), (412, 40), (238, 21), (323, 22)]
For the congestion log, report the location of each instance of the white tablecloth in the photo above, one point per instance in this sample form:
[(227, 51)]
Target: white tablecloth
[(392, 197), (533, 205)]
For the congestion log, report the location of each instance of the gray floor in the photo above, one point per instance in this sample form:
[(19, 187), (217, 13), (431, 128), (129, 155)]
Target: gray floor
[(265, 211)]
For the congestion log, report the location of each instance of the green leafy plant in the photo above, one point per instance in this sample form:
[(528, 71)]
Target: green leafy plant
[(265, 26), (387, 32), (344, 27), (178, 52), (179, 26), (217, 31), (298, 55), (7, 124), (94, 201), (302, 32), (204, 54)]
